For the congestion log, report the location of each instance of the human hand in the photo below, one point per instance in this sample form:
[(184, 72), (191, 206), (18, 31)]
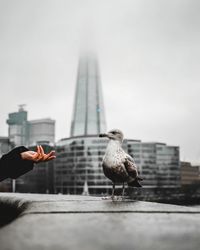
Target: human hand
[(38, 156)]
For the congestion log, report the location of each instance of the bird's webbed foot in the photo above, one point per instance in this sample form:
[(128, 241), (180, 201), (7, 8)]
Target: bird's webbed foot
[(112, 198)]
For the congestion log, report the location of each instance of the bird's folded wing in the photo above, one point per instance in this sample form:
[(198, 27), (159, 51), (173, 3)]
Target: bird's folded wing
[(130, 158), (130, 168)]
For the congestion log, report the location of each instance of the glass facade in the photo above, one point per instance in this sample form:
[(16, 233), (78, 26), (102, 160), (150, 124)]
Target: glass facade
[(79, 163), (88, 114), (144, 156), (167, 158), (158, 163), (17, 130)]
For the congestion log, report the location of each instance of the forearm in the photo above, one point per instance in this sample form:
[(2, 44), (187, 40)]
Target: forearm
[(12, 165)]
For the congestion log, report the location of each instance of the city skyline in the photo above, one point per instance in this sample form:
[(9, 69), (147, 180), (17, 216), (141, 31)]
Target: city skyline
[(148, 54)]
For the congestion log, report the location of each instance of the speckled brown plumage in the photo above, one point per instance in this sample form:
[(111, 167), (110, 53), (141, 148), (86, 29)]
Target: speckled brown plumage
[(118, 166)]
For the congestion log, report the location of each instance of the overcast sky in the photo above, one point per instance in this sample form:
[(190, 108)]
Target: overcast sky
[(149, 57)]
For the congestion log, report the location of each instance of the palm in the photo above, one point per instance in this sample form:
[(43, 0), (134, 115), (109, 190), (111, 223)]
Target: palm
[(38, 156)]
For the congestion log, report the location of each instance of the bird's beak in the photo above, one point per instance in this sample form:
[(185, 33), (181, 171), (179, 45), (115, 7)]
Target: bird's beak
[(103, 135), (108, 135)]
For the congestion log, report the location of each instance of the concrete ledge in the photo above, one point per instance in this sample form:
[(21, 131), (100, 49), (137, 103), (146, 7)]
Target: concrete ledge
[(85, 222)]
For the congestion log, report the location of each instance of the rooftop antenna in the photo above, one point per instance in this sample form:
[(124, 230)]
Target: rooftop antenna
[(21, 107)]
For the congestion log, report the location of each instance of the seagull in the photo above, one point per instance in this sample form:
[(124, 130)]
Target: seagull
[(118, 166)]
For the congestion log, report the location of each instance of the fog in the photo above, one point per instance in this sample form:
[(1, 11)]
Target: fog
[(149, 57)]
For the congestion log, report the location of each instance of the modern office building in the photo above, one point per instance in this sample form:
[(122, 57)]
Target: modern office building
[(78, 165), (28, 133), (168, 162), (79, 159), (88, 113), (189, 174), (157, 162), (17, 127), (41, 131)]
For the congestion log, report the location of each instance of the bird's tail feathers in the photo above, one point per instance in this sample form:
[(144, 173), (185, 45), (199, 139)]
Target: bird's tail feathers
[(135, 182)]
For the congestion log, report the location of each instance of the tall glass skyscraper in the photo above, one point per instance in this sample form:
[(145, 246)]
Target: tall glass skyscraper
[(88, 114)]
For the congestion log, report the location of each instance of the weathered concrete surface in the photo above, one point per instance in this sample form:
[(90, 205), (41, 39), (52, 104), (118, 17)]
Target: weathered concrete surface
[(85, 222)]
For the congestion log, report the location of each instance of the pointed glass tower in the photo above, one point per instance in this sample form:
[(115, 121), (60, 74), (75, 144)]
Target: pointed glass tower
[(88, 113)]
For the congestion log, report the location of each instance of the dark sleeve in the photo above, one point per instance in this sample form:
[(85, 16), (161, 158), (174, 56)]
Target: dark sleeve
[(12, 165)]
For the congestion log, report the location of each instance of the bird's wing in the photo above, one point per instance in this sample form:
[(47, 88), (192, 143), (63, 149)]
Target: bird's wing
[(130, 158), (131, 167)]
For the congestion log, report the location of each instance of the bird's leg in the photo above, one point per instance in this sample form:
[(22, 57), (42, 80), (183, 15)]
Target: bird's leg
[(113, 191), (123, 190), (112, 196)]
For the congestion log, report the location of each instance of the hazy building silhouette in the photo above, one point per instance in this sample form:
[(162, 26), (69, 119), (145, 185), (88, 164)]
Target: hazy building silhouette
[(88, 113), (41, 131), (17, 127), (21, 131)]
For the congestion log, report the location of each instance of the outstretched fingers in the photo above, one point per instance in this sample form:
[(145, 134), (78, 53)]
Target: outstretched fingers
[(41, 150), (50, 156), (39, 155), (42, 157), (52, 153)]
